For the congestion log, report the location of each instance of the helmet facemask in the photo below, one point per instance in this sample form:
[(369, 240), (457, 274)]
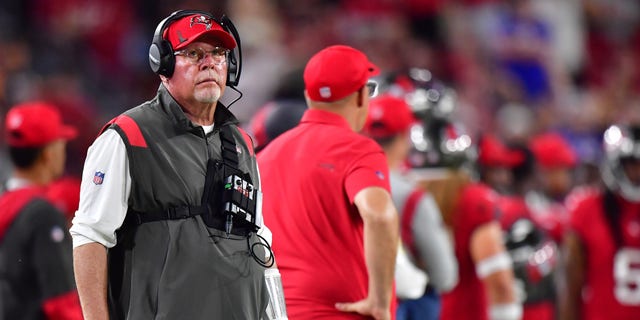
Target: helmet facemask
[(622, 149), (438, 140)]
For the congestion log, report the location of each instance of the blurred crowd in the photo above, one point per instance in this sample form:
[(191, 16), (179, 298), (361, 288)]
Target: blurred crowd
[(551, 75), (518, 66)]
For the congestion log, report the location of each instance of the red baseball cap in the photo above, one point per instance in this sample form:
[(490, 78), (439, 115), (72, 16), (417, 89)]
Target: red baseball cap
[(388, 116), (35, 124), (551, 150), (335, 72), (182, 32), (493, 153)]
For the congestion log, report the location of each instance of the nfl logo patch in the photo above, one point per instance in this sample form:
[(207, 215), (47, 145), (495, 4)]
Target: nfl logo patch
[(98, 178), (325, 92)]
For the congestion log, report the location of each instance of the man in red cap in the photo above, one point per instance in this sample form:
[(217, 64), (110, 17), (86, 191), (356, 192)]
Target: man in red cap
[(432, 267), (555, 160), (495, 161), (35, 246), (335, 229), (169, 221)]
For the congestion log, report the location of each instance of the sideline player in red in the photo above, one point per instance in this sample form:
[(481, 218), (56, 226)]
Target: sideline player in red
[(555, 161), (36, 272), (532, 249), (440, 157), (486, 289), (426, 266), (603, 244)]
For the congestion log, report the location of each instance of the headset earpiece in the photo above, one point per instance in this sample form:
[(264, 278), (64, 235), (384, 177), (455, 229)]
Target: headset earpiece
[(232, 70), (167, 59), (161, 58), (154, 58)]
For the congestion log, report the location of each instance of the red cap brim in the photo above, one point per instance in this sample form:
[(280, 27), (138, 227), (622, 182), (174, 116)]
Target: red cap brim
[(68, 132), (373, 69)]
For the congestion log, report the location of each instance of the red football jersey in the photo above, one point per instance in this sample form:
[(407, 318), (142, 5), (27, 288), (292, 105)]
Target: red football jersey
[(540, 305), (477, 205), (612, 273)]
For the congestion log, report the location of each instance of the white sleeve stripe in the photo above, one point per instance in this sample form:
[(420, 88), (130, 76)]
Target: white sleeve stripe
[(493, 264)]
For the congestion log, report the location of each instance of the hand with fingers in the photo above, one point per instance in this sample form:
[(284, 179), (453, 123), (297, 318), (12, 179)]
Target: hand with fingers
[(366, 307)]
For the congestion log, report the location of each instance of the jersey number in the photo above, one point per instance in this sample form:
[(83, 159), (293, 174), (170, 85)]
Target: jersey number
[(626, 273)]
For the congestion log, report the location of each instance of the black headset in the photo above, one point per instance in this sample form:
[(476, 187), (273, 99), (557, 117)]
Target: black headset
[(161, 56)]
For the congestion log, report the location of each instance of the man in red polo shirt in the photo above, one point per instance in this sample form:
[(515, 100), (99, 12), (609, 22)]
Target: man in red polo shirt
[(327, 201)]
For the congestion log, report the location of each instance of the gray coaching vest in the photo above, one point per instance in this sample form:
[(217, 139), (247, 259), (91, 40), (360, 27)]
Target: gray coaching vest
[(179, 268)]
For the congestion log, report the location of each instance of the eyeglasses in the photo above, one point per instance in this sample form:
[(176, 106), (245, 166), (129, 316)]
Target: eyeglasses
[(373, 88), (197, 55)]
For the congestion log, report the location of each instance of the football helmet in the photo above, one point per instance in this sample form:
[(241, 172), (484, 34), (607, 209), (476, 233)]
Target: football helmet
[(621, 145), (535, 257), (438, 140)]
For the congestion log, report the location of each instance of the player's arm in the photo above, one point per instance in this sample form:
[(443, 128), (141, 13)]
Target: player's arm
[(573, 278), (380, 248), (102, 209), (495, 268), (434, 245), (90, 266)]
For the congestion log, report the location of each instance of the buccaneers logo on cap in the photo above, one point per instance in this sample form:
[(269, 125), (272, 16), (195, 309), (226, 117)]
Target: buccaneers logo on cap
[(201, 20)]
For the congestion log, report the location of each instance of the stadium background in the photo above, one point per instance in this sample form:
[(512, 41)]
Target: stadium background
[(519, 67)]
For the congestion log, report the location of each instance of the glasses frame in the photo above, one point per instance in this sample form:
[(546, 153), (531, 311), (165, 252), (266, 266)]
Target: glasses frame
[(219, 54), (372, 86)]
